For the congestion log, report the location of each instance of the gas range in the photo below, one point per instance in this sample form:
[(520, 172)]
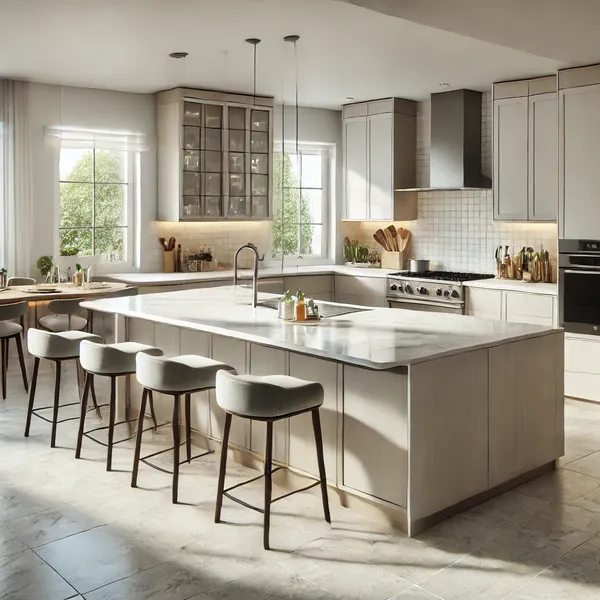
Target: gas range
[(431, 290)]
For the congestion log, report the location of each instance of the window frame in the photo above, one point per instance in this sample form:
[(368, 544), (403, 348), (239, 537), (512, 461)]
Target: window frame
[(131, 184), (327, 154)]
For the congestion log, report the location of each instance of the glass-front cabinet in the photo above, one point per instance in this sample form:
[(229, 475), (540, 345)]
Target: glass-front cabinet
[(215, 156)]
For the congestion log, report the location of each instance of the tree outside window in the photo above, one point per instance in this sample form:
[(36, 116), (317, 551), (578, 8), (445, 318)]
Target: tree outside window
[(298, 204), (93, 203)]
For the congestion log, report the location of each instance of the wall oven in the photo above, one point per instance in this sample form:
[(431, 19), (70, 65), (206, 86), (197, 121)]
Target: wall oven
[(579, 285)]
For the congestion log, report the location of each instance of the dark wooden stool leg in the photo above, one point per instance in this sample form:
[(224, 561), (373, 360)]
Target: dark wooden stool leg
[(19, 343), (223, 467), (188, 426), (56, 401), (84, 401), (111, 421), (268, 484), (138, 439), (94, 400), (151, 400), (176, 442), (36, 366), (319, 444), (4, 365)]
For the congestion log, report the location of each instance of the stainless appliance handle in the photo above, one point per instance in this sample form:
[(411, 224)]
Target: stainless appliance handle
[(564, 262), (577, 272), (413, 300)]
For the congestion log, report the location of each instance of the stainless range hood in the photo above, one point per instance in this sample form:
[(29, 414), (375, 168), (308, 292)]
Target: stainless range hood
[(455, 151)]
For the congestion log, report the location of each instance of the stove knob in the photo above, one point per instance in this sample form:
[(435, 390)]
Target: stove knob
[(438, 291), (408, 288), (421, 290), (454, 294), (400, 288), (393, 287), (446, 293)]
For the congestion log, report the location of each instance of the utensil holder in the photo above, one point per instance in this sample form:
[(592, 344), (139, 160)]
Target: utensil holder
[(392, 260), (169, 261)]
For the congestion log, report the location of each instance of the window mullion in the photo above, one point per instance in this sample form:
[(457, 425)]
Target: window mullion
[(93, 201)]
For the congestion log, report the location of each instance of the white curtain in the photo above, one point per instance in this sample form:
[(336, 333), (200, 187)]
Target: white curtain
[(16, 206)]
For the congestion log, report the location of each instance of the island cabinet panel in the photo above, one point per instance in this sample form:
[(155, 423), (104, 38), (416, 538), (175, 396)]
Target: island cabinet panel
[(232, 352), (302, 442), (375, 422), (448, 432), (526, 406), (197, 342), (268, 361), (142, 332)]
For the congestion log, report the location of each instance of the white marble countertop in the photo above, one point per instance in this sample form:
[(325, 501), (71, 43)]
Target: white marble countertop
[(381, 338), (154, 279), (549, 289)]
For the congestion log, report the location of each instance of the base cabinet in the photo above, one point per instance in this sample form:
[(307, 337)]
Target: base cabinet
[(582, 367), (362, 291)]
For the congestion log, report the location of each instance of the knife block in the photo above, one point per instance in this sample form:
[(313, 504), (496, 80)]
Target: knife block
[(169, 261), (392, 260)]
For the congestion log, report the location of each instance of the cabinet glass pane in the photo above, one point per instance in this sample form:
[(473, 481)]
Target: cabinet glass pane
[(237, 118), (260, 185), (260, 207), (237, 184), (259, 142), (211, 162), (191, 183), (212, 206), (192, 113), (212, 139), (260, 120), (237, 163), (191, 160), (238, 206), (260, 164), (237, 141), (211, 184), (191, 206), (213, 116), (191, 138)]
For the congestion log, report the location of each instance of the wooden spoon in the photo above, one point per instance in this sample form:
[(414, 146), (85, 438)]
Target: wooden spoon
[(380, 238), (394, 233), (405, 237)]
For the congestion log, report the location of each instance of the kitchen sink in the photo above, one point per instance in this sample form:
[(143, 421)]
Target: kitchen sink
[(325, 310)]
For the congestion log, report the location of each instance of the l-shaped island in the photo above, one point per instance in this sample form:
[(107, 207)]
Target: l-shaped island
[(424, 414)]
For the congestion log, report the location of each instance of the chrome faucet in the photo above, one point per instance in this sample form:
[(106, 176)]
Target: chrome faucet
[(257, 259)]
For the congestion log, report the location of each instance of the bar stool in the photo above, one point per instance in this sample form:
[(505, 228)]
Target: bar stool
[(181, 375), (56, 347), (13, 281), (109, 360), (269, 398), (64, 317), (8, 331)]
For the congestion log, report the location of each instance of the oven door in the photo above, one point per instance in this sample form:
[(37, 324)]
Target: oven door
[(456, 308), (579, 295)]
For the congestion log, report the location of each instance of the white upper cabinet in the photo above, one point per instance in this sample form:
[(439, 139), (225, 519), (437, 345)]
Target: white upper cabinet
[(355, 168), (579, 165), (510, 158), (379, 157), (543, 157), (526, 150)]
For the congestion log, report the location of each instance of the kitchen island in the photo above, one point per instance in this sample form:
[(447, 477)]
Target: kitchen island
[(424, 413)]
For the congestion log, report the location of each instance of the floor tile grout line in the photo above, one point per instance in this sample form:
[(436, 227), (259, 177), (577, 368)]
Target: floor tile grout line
[(77, 592)]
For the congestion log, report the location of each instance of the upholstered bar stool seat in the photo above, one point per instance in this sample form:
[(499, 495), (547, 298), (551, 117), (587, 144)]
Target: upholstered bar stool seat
[(56, 347), (180, 375), (268, 398), (11, 330), (109, 360), (63, 317)]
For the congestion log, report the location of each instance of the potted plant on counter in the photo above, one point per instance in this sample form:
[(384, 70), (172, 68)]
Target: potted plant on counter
[(44, 264)]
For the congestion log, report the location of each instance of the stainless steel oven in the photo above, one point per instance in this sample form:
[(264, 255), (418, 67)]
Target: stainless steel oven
[(579, 285)]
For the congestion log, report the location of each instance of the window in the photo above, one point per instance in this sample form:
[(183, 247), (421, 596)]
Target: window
[(96, 203), (301, 193)]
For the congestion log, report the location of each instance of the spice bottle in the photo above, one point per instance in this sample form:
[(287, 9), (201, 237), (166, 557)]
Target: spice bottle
[(300, 306)]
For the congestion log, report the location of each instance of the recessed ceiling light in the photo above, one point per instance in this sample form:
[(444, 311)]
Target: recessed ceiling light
[(444, 85), (178, 54), (349, 97)]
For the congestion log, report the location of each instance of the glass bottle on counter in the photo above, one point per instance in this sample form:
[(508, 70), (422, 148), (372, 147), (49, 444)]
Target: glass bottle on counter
[(286, 307), (300, 308)]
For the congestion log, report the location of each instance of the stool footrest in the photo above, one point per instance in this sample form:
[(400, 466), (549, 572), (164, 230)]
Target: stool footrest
[(237, 485), (145, 460)]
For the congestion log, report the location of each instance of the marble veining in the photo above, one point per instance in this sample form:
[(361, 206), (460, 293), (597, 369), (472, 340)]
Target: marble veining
[(380, 338)]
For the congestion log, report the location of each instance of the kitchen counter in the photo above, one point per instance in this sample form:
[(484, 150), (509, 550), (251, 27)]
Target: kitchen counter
[(511, 285), (423, 413), (379, 338), (155, 279)]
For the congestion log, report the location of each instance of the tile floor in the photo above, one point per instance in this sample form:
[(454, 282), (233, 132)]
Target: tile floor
[(69, 529)]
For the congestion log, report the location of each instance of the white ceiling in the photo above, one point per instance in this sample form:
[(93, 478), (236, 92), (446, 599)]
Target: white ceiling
[(344, 50), (563, 30)]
